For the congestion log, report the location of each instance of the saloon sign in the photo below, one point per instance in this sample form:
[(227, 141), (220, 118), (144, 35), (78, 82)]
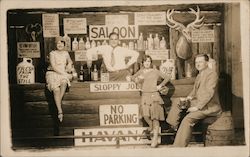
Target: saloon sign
[(100, 32)]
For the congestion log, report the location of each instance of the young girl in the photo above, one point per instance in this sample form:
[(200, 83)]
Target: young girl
[(151, 102), (57, 75)]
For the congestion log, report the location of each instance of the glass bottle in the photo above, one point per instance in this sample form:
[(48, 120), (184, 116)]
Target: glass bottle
[(156, 42), (75, 44), (150, 42), (163, 43), (87, 44), (81, 74), (81, 44), (93, 43), (67, 42), (140, 42), (95, 74)]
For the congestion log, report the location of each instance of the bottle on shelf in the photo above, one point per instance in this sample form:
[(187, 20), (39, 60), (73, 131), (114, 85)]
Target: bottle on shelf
[(156, 42), (104, 75), (140, 42), (94, 74), (81, 74), (98, 43), (81, 44), (87, 44), (75, 44), (104, 42), (93, 43), (150, 42), (86, 73), (163, 43), (131, 45), (67, 42)]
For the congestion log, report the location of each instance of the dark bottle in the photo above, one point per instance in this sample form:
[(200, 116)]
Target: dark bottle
[(86, 72), (81, 74)]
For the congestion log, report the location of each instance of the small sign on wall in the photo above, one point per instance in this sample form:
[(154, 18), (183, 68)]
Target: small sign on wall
[(75, 25), (116, 20), (111, 132), (199, 36), (113, 86), (50, 25), (28, 49), (150, 18), (121, 114), (158, 54)]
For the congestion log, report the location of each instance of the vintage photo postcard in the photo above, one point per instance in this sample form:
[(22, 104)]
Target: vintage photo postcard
[(124, 78)]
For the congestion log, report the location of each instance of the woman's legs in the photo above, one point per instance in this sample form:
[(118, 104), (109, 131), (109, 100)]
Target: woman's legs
[(58, 96), (156, 126), (149, 122)]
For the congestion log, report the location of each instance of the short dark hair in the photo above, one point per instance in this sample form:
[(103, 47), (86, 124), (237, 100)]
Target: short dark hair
[(114, 33), (203, 55)]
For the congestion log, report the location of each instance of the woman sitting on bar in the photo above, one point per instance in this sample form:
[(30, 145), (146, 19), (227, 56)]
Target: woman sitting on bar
[(58, 73), (151, 108)]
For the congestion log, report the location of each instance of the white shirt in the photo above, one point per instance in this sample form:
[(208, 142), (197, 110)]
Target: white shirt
[(120, 53)]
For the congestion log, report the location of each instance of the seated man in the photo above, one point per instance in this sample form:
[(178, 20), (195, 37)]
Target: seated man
[(204, 102), (114, 58)]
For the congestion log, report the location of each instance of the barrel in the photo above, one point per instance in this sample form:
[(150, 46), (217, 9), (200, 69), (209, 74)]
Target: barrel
[(221, 132)]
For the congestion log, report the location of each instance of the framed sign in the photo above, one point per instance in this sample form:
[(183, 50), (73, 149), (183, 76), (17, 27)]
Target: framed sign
[(50, 25), (150, 18), (75, 25), (28, 49)]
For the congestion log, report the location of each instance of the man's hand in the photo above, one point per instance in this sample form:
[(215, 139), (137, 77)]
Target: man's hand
[(192, 109), (189, 98), (128, 78)]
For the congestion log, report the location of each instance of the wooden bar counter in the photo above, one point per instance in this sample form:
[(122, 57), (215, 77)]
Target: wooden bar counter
[(34, 120)]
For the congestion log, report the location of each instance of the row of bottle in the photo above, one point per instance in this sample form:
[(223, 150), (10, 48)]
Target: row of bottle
[(141, 44)]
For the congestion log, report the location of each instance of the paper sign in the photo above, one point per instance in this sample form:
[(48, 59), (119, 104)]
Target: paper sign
[(121, 114), (116, 20), (150, 18), (158, 54), (50, 25), (113, 86), (75, 25), (112, 138), (101, 32), (80, 55), (28, 49), (199, 36)]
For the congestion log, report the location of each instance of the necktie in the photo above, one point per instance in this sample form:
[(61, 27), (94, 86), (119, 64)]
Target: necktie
[(112, 58)]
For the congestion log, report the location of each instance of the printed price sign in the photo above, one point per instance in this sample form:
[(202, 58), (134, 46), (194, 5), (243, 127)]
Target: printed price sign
[(116, 20), (150, 18), (199, 36), (28, 49), (119, 114), (50, 25), (158, 54), (75, 25)]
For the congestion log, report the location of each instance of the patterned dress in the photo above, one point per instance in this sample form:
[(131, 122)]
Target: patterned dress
[(151, 101), (54, 79)]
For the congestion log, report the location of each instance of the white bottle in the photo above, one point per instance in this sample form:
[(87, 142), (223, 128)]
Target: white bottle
[(87, 44), (67, 42), (98, 43), (156, 42), (140, 43), (104, 42), (150, 42), (25, 72), (131, 45), (81, 44), (93, 43), (163, 43), (95, 74), (75, 44)]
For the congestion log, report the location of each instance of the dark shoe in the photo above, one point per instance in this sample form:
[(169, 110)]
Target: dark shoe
[(147, 133)]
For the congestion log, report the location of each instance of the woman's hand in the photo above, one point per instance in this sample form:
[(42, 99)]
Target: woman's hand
[(158, 87), (128, 78)]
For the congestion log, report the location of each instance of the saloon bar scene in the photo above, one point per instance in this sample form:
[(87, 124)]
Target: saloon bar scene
[(117, 76)]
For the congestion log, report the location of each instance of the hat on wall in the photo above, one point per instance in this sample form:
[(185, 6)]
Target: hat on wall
[(59, 38)]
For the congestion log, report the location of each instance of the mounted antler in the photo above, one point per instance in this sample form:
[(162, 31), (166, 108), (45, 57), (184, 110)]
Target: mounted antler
[(195, 24), (178, 26)]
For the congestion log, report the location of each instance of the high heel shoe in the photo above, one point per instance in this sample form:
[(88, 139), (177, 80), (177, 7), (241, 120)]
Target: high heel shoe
[(60, 116)]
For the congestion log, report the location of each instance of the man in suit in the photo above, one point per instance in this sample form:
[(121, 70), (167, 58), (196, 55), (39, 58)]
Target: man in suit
[(204, 102)]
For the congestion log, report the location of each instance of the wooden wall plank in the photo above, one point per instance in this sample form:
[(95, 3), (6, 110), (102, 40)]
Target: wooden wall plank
[(216, 47)]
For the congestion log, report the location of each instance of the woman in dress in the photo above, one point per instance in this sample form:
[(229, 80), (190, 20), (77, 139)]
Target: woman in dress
[(151, 108), (58, 73)]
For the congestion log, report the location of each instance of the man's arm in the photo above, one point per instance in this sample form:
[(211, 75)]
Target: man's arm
[(131, 53), (207, 92), (94, 50)]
